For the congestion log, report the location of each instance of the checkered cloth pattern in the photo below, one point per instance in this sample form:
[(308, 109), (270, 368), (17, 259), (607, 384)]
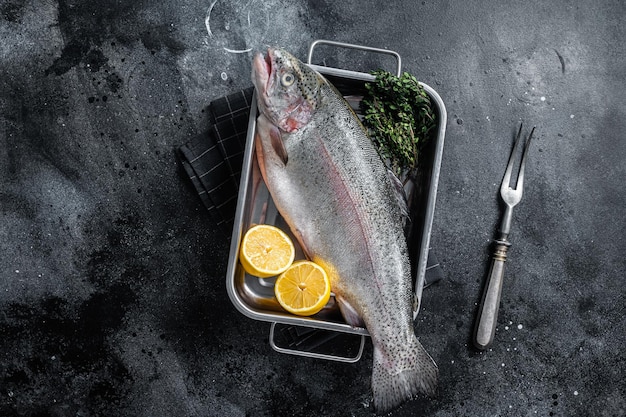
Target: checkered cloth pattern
[(213, 159)]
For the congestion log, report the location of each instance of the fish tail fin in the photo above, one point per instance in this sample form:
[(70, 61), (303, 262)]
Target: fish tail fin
[(397, 379)]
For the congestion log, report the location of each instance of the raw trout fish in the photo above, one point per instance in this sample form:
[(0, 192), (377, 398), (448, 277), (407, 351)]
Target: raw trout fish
[(341, 202)]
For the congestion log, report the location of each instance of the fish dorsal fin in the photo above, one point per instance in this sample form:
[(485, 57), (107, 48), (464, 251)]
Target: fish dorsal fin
[(399, 193), (278, 145)]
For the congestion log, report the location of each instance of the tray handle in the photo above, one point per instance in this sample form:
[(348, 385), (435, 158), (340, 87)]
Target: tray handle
[(317, 355), (353, 46)]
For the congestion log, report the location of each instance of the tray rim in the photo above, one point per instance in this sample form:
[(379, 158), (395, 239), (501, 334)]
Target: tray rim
[(286, 318)]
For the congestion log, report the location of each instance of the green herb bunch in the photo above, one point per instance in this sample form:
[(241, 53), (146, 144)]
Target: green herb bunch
[(398, 113)]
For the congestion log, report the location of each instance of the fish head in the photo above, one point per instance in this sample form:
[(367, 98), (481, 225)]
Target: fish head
[(287, 89)]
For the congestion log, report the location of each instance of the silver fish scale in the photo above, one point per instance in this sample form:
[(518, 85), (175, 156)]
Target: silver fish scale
[(337, 197), (358, 231)]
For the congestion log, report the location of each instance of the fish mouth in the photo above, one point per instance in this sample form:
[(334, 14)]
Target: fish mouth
[(263, 68)]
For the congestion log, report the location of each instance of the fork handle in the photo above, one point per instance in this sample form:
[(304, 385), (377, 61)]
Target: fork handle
[(488, 313)]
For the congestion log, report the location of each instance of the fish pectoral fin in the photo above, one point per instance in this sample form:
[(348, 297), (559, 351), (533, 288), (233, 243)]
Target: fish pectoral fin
[(349, 313), (278, 145)]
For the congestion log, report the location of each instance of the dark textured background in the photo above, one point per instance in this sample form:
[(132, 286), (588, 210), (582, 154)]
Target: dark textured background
[(112, 295)]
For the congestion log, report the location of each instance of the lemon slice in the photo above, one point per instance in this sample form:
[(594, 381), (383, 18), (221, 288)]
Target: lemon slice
[(266, 251), (303, 289)]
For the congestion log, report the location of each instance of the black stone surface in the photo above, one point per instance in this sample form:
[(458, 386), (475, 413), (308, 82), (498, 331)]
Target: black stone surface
[(112, 293)]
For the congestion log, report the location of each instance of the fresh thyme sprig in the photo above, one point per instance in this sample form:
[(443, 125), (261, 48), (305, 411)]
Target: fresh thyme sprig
[(399, 115)]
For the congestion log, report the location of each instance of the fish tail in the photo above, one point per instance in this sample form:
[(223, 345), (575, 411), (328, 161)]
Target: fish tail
[(395, 380)]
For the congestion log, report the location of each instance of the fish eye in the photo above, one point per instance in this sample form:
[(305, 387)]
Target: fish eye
[(287, 79)]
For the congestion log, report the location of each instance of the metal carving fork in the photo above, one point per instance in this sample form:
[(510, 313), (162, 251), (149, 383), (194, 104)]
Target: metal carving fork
[(488, 312)]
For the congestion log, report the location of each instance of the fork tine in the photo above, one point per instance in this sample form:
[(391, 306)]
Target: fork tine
[(520, 177), (506, 181)]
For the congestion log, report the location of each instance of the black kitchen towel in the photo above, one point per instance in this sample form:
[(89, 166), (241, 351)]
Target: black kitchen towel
[(213, 159), (213, 162)]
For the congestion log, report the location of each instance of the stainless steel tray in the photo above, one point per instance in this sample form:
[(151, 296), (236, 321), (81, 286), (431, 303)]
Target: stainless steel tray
[(254, 297)]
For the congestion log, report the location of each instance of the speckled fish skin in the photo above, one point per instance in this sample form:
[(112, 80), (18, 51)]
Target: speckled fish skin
[(331, 186)]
